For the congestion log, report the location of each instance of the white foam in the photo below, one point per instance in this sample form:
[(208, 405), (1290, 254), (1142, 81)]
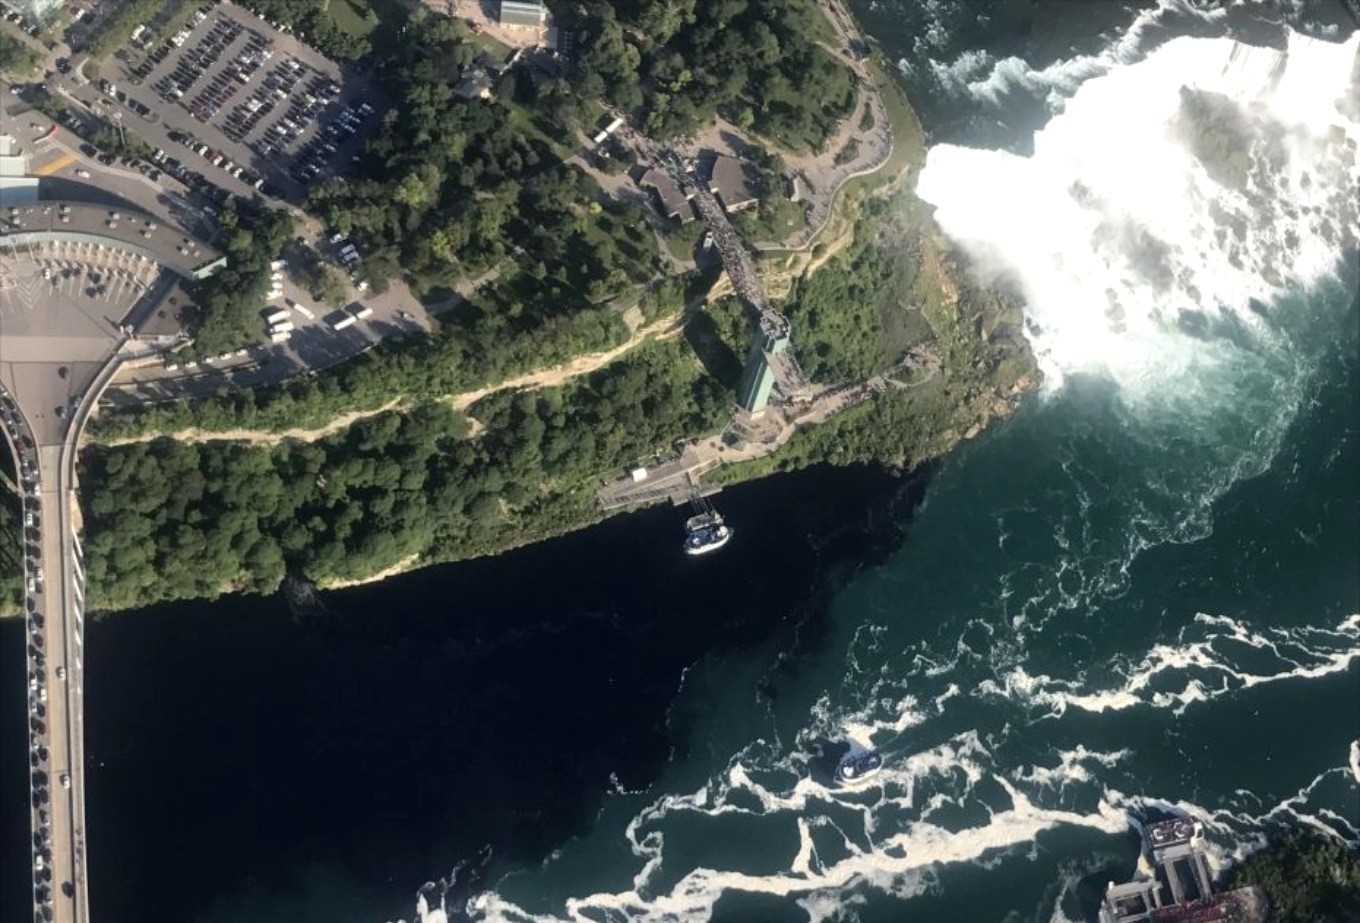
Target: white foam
[(1072, 768), (899, 865), (1115, 226), (1299, 653), (1232, 834)]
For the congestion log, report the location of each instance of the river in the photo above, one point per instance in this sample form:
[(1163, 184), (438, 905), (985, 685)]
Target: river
[(1140, 593)]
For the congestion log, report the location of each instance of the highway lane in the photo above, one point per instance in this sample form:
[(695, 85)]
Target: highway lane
[(55, 679)]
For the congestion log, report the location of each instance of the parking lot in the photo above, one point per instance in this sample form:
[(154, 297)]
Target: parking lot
[(240, 103)]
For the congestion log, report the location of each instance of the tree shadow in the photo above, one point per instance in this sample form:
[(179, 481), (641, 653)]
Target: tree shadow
[(717, 357)]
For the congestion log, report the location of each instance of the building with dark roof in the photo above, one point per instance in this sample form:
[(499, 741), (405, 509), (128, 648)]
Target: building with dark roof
[(528, 13), (94, 228), (728, 180), (673, 202)]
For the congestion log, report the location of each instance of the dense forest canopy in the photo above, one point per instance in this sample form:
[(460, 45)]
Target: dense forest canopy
[(1307, 879), (228, 303), (762, 64), (451, 188), (170, 520)]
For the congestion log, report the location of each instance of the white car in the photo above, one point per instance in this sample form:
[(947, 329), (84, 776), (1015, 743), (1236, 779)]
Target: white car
[(65, 778), (83, 174)]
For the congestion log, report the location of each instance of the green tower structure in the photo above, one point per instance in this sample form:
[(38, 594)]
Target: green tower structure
[(757, 377)]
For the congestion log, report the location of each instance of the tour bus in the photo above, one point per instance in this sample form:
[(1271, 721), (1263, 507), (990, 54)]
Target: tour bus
[(342, 323), (363, 313), (303, 310), (276, 317), (284, 327), (280, 337)]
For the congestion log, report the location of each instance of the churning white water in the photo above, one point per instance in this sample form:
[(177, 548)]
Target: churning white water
[(1166, 198)]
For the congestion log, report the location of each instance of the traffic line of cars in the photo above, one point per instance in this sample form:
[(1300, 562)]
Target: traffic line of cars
[(39, 754)]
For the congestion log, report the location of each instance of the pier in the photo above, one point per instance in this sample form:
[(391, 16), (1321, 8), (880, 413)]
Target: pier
[(1174, 861)]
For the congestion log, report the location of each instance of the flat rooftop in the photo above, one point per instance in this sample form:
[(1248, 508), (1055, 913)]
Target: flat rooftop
[(99, 226)]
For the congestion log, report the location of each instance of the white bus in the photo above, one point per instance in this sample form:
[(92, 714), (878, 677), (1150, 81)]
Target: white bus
[(275, 317)]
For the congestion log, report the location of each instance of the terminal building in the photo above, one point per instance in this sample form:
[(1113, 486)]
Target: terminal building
[(16, 186)]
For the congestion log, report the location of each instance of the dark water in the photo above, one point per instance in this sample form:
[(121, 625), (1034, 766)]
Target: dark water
[(250, 764)]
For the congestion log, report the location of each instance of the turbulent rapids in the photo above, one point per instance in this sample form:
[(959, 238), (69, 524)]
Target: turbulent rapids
[(1089, 622), (1167, 204)]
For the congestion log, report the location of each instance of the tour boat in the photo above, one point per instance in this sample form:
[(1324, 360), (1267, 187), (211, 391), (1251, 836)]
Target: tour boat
[(858, 765), (706, 532)]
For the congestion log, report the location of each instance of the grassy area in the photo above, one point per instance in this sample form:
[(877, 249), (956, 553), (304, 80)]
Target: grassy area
[(859, 313), (352, 16), (682, 239), (908, 154), (492, 46), (115, 31), (866, 121), (171, 20), (524, 119), (775, 219), (17, 57), (909, 143)]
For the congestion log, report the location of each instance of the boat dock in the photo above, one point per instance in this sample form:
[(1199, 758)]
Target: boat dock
[(1176, 863)]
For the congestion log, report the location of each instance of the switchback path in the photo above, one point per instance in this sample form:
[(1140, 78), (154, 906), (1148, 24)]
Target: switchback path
[(551, 377)]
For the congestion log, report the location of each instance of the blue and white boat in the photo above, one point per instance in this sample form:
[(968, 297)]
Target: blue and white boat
[(858, 765)]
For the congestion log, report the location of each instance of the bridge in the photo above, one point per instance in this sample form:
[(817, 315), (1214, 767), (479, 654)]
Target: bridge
[(77, 281), (44, 446), (769, 364)]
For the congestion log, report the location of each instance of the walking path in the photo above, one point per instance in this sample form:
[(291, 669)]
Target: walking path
[(551, 377)]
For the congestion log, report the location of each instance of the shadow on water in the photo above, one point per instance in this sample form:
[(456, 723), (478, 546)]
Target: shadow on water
[(248, 764)]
